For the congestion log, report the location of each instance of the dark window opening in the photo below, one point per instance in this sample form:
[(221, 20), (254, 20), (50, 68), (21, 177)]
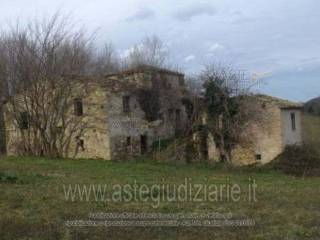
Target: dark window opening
[(80, 143), (223, 158), (128, 141), (24, 120), (293, 121), (204, 148), (78, 107), (178, 115), (170, 111), (144, 143), (258, 157), (126, 104)]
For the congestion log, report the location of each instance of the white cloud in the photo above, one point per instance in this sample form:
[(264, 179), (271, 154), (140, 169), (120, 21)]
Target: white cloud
[(189, 58), (126, 53), (215, 47)]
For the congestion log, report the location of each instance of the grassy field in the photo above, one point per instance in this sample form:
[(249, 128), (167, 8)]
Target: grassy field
[(33, 203), (311, 130)]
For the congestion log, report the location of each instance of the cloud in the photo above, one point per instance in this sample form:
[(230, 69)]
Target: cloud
[(215, 47), (126, 53), (142, 14), (189, 58), (193, 11)]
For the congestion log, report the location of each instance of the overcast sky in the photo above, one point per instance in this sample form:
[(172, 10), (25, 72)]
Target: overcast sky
[(276, 39)]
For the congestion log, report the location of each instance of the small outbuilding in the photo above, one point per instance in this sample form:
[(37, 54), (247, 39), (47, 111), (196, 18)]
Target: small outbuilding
[(280, 126)]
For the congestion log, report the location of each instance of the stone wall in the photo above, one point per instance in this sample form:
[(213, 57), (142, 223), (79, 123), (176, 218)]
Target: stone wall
[(111, 132), (95, 136), (169, 118), (126, 128), (291, 134), (265, 137), (12, 133), (2, 133)]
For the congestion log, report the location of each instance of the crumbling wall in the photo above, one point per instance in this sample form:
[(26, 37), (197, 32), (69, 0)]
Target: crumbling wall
[(155, 102), (112, 133), (125, 129)]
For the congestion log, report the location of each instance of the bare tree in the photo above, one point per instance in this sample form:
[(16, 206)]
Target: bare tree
[(36, 61), (228, 105), (107, 61), (152, 51)]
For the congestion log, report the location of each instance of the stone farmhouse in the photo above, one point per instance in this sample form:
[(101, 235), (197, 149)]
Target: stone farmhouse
[(129, 111)]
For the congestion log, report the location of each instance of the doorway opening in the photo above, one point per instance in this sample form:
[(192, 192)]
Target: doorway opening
[(144, 143)]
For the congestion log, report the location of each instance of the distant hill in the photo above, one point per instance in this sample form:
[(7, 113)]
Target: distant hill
[(313, 106)]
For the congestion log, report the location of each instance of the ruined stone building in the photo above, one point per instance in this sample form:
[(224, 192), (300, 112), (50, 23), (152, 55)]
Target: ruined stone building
[(123, 115), (264, 140), (126, 112)]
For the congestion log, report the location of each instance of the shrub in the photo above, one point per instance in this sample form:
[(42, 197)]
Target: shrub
[(299, 161)]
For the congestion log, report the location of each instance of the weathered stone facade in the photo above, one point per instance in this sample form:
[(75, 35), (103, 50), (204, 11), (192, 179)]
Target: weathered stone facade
[(265, 140), (125, 112), (2, 132)]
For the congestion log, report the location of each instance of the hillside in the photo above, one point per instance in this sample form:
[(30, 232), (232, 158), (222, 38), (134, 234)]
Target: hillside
[(313, 106)]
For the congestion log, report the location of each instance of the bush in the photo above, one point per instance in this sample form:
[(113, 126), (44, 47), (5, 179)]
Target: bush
[(299, 161)]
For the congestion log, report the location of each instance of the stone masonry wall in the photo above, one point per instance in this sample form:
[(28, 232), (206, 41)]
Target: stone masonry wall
[(112, 133), (170, 117), (2, 132), (95, 136), (265, 138)]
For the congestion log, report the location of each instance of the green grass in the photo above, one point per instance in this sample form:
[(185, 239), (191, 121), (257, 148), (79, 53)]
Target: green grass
[(33, 205), (311, 130)]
